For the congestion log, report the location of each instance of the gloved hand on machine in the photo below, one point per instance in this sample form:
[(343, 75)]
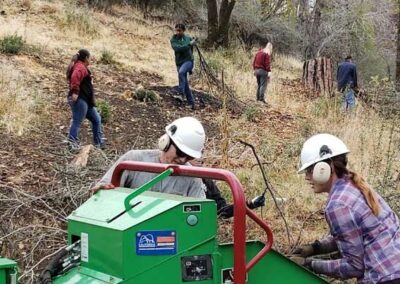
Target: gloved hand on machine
[(227, 210), (303, 255)]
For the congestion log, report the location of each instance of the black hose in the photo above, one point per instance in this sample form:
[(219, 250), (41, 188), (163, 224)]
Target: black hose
[(53, 268)]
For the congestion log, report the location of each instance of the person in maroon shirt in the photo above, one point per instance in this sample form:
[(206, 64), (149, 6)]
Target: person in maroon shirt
[(81, 99), (262, 66)]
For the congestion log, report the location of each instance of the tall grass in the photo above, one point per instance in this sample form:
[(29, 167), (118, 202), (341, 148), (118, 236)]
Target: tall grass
[(20, 104), (80, 21)]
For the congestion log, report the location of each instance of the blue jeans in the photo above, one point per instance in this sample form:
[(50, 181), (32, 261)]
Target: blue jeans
[(349, 99), (80, 111), (183, 71)]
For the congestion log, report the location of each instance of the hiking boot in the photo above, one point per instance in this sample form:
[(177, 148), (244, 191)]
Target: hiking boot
[(179, 98), (100, 146), (74, 146), (192, 107)]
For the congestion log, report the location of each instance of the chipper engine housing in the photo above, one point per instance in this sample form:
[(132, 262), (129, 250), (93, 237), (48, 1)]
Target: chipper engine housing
[(148, 237)]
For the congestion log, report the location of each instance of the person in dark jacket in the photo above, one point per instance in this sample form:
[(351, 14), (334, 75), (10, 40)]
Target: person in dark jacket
[(183, 47), (81, 99), (347, 82), (262, 68)]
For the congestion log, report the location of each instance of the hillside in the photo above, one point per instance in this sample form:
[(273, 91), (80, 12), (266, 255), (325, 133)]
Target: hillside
[(38, 188)]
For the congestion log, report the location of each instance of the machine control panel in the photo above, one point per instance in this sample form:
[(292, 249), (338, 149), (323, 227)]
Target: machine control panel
[(196, 268)]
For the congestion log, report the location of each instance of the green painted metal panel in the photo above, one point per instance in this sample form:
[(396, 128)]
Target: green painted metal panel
[(2, 276), (7, 263), (104, 247), (8, 270), (274, 268), (108, 204), (112, 244), (79, 275), (192, 240)]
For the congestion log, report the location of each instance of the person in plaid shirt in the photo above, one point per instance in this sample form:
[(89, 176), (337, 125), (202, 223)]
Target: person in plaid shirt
[(363, 227)]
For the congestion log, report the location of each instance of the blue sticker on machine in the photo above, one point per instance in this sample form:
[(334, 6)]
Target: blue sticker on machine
[(156, 242)]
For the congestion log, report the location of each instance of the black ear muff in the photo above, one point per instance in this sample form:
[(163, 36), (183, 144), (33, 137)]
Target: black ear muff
[(164, 143), (321, 172)]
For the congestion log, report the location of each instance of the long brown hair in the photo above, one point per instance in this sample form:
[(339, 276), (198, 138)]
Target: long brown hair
[(81, 55), (340, 163)]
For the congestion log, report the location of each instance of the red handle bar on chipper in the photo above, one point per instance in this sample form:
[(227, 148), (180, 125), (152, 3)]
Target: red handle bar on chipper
[(239, 205)]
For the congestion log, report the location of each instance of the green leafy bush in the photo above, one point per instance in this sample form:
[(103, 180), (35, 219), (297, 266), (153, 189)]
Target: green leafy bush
[(104, 109), (12, 44), (107, 57), (146, 95), (252, 113)]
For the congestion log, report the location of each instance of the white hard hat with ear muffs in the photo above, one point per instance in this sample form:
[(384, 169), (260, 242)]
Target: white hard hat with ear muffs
[(316, 150), (187, 134)]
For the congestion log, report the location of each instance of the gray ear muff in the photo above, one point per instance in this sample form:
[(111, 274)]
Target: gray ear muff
[(164, 142), (321, 172)]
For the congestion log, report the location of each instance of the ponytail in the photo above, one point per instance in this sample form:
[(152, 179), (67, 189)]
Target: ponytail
[(340, 163), (367, 191), (81, 55), (71, 64)]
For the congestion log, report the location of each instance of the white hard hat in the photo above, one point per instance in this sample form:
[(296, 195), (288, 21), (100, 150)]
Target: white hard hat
[(188, 135), (320, 147)]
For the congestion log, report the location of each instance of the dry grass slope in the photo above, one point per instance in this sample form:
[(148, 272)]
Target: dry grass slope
[(277, 132)]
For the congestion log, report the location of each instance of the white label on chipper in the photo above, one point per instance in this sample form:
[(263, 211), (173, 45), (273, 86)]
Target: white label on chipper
[(84, 247)]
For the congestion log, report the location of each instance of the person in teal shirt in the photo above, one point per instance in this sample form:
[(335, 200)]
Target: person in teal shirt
[(183, 47)]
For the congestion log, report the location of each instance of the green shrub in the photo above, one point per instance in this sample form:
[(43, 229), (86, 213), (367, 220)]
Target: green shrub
[(146, 95), (252, 113), (107, 57), (104, 109), (80, 21), (12, 44)]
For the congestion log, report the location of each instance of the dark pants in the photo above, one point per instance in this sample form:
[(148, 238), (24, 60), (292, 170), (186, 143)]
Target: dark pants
[(261, 75), (183, 71), (80, 111)]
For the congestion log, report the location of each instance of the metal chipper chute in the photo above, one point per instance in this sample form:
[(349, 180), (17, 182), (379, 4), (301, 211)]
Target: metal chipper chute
[(119, 236)]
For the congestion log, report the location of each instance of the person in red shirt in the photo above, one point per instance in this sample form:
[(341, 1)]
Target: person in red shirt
[(81, 99), (262, 68)]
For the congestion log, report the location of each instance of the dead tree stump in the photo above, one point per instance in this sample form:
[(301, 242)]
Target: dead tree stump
[(317, 75)]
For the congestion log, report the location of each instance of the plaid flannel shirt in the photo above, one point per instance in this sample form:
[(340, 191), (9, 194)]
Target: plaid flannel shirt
[(369, 244)]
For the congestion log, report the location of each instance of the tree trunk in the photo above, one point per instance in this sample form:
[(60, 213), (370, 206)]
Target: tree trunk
[(317, 75), (212, 14), (218, 24), (225, 13)]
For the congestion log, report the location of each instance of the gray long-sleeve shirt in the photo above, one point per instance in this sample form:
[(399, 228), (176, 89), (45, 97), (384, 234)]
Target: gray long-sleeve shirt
[(185, 186)]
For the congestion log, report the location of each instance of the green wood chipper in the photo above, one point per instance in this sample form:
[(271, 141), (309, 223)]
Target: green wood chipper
[(120, 236)]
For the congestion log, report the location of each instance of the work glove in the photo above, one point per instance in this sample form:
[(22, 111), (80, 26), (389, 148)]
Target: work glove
[(226, 212), (256, 202), (305, 250), (193, 41), (303, 261), (315, 248)]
